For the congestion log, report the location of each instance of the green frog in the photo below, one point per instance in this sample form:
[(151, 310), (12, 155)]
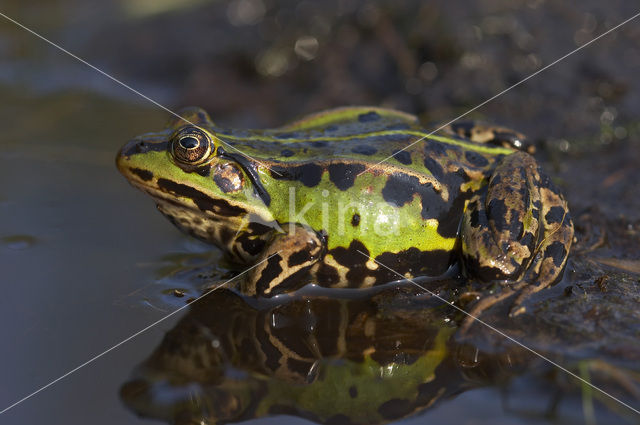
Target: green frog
[(358, 196)]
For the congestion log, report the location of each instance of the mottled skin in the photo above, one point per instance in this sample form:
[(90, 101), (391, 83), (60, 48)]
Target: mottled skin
[(355, 361), (322, 197)]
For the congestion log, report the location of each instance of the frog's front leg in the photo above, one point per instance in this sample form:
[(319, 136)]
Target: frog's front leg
[(520, 231), (285, 262)]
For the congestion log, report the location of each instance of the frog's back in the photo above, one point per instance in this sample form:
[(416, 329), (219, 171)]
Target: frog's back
[(368, 136), (360, 134)]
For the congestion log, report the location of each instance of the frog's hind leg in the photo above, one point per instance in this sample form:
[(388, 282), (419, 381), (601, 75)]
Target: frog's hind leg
[(500, 224), (553, 247), (500, 227), (285, 263), (520, 231)]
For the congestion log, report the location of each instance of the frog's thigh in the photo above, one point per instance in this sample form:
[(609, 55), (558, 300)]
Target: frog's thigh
[(284, 263), (500, 225)]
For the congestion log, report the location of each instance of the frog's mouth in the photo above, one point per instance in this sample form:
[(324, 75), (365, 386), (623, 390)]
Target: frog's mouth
[(165, 191)]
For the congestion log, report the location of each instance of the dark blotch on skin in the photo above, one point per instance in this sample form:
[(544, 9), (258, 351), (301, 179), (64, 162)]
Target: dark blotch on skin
[(436, 149), (204, 171), (403, 157), (400, 189), (414, 261), (272, 355), (270, 272), (139, 146), (320, 144), (204, 202), (252, 246), (394, 408), (464, 128), (287, 153), (475, 215), (364, 150), (497, 211), (369, 117), (307, 174), (257, 228), (557, 252), (328, 274), (476, 159), (434, 166), (527, 240), (555, 215), (355, 220), (299, 257), (286, 135), (350, 257), (145, 175), (353, 391), (343, 175)]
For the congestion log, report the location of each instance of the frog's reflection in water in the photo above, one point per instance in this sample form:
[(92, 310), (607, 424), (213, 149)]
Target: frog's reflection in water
[(363, 360)]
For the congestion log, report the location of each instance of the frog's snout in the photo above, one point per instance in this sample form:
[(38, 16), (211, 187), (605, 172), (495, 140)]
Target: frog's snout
[(144, 144), (135, 146), (132, 147)]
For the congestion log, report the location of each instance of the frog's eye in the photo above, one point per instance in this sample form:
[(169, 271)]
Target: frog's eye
[(191, 145)]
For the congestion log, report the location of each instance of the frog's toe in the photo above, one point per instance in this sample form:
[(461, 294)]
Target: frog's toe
[(485, 303), (516, 307)]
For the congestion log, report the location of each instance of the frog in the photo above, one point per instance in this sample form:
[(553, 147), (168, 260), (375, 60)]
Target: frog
[(356, 197)]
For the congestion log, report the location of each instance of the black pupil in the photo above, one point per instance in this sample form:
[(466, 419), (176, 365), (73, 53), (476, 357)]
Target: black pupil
[(189, 142)]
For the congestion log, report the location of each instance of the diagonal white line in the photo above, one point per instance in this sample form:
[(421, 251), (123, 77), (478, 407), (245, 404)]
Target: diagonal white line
[(515, 341), (507, 89), (125, 85), (129, 338)]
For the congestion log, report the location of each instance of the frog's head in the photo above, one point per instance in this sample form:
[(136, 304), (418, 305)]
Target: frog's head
[(203, 190)]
